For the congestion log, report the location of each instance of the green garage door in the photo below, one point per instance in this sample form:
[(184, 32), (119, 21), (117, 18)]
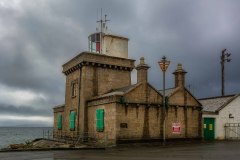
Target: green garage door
[(209, 128)]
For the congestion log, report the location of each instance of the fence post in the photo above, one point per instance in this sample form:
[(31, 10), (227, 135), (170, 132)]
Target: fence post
[(225, 128)]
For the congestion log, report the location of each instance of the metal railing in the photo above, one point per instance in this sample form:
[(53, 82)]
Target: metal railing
[(77, 138), (48, 134)]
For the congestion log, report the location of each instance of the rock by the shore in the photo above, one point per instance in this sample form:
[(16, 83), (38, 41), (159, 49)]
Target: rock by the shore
[(17, 146), (42, 144)]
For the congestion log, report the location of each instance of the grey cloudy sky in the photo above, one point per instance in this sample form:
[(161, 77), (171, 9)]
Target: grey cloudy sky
[(37, 37)]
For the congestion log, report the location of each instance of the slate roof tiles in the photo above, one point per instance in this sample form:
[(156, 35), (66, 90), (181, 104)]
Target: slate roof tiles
[(214, 104)]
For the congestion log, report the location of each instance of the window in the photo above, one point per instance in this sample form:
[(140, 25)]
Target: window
[(59, 121), (93, 38), (74, 89), (98, 37), (100, 120), (72, 120), (94, 43)]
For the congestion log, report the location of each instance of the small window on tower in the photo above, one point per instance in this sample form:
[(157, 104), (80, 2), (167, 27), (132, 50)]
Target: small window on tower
[(93, 38), (74, 89), (98, 37)]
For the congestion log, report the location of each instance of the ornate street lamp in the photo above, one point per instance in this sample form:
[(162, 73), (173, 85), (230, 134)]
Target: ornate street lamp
[(164, 63)]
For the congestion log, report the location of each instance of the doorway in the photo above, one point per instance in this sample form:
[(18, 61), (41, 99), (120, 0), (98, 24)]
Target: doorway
[(209, 128)]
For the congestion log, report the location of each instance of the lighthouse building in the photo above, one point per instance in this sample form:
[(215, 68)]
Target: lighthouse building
[(101, 102)]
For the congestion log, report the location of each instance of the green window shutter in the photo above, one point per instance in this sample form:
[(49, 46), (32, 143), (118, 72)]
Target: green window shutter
[(72, 120), (100, 120), (59, 121)]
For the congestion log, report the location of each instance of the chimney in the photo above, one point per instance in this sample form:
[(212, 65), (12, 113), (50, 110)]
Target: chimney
[(142, 71), (179, 76)]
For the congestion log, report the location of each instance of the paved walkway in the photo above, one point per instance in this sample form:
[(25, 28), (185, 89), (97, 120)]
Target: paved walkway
[(224, 150)]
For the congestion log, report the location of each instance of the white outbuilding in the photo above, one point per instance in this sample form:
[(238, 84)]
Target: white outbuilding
[(221, 117)]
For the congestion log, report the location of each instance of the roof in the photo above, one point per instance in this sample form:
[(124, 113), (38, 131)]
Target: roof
[(119, 91), (97, 58), (111, 34), (59, 106), (116, 35), (168, 91), (124, 89), (215, 104)]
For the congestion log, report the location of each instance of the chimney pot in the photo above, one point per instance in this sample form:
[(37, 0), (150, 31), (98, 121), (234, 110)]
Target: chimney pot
[(142, 60), (179, 76), (142, 68)]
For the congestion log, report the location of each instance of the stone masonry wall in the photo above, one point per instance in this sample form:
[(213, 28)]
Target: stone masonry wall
[(109, 79), (71, 102), (56, 111), (136, 122), (96, 81), (146, 122), (109, 122), (143, 116), (177, 114), (143, 93)]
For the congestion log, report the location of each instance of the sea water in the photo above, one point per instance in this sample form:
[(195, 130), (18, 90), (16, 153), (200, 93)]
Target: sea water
[(13, 135)]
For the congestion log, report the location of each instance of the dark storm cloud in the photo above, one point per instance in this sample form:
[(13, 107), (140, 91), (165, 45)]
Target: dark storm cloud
[(37, 37), (41, 38), (192, 33), (24, 111), (24, 123)]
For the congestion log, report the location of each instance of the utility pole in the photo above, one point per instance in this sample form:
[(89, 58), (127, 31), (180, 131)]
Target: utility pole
[(224, 58)]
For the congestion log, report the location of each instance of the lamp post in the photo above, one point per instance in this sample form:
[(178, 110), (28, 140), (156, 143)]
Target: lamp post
[(164, 63)]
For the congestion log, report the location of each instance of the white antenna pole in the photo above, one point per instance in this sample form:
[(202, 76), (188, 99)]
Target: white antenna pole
[(102, 29), (101, 34)]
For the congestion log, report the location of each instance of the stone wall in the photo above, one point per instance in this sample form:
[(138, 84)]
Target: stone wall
[(143, 93), (136, 122), (71, 102), (183, 98), (97, 81), (56, 111), (109, 132), (146, 122), (143, 115), (189, 119)]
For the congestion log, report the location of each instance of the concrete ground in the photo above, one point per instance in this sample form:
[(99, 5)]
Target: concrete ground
[(222, 150)]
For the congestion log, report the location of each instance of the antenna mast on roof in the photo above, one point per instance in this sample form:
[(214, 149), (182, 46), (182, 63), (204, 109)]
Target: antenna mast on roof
[(103, 27)]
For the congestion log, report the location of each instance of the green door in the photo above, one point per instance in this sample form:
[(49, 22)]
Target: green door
[(209, 127)]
